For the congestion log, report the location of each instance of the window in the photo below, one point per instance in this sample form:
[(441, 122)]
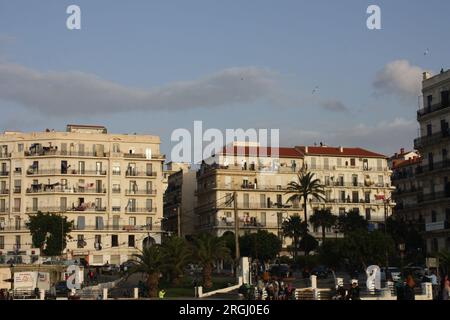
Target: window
[(98, 242), (132, 221), (355, 196), (116, 222), (327, 180), (380, 180), (246, 200), (341, 180), (116, 169), (352, 162), (80, 223), (81, 167), (63, 148), (342, 196), (98, 168), (433, 216), (116, 148), (17, 186), (2, 242), (17, 205), (20, 147), (149, 205), (313, 163), (326, 164), (114, 240), (228, 199), (149, 223), (429, 101), (18, 243), (80, 241), (445, 98), (98, 204), (2, 205), (341, 212), (149, 186), (279, 200), (435, 245), (149, 168), (35, 204), (63, 204), (429, 129), (367, 197), (99, 223), (263, 219), (18, 223), (368, 214), (131, 241), (355, 180), (339, 162)]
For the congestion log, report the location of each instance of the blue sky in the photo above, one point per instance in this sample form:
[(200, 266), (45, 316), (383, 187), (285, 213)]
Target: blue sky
[(266, 57)]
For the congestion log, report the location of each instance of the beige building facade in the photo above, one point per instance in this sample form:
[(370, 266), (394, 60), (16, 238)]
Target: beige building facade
[(109, 185)]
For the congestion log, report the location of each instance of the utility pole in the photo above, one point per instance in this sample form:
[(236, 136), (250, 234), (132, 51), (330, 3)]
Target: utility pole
[(179, 220), (236, 226)]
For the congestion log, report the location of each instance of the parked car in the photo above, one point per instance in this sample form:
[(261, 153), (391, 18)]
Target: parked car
[(110, 269), (279, 270), (390, 274), (320, 272), (61, 288)]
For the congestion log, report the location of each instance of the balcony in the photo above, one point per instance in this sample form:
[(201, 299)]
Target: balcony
[(4, 173), (434, 167), (262, 206), (51, 151), (39, 189), (251, 224), (86, 208), (430, 140), (143, 156), (130, 192), (4, 155), (4, 192), (437, 226), (432, 108), (135, 173), (46, 172), (442, 195), (45, 209), (126, 228), (140, 210)]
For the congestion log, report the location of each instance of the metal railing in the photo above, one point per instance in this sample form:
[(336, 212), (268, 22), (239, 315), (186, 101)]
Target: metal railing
[(431, 139), (66, 190), (139, 192), (55, 152), (432, 108), (137, 173), (31, 172), (140, 210)]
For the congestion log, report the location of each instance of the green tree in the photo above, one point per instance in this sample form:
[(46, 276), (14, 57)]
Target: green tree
[(306, 186), (330, 253), (177, 255), (308, 243), (323, 219), (261, 245), (444, 261), (365, 248), (49, 232), (294, 228), (150, 262), (207, 250), (351, 221)]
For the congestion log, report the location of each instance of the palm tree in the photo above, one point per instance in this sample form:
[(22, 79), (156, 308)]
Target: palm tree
[(323, 219), (207, 250), (307, 186), (150, 262), (177, 254), (295, 229)]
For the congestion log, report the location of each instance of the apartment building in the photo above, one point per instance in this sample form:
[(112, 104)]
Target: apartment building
[(407, 189), (401, 156), (354, 178), (434, 172), (179, 200), (259, 177), (109, 185)]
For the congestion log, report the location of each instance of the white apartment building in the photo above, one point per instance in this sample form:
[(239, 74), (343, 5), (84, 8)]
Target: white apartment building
[(109, 185), (354, 178)]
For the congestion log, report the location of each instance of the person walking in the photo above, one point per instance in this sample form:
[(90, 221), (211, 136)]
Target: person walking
[(353, 293), (409, 293)]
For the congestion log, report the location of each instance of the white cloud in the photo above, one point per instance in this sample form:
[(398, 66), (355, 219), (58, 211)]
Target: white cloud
[(75, 93), (399, 78)]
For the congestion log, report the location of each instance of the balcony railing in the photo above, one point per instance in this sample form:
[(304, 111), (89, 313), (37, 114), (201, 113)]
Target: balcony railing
[(255, 224), (4, 173), (143, 156), (55, 152), (355, 201), (127, 228), (66, 190), (421, 142), (442, 195), (435, 166), (430, 109), (67, 209), (136, 173), (31, 172), (4, 191), (140, 210), (129, 192), (256, 205), (5, 155), (436, 226)]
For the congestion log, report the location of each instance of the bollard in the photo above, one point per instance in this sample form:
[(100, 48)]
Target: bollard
[(199, 292), (42, 294), (136, 293), (313, 282), (427, 290), (105, 294)]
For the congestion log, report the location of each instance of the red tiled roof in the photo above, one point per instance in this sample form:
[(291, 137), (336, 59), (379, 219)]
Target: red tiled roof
[(336, 151), (281, 152), (405, 163)]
